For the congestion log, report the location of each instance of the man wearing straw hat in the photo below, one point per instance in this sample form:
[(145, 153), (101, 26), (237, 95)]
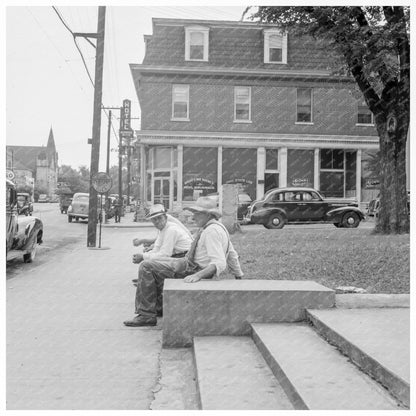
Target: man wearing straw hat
[(173, 238), (207, 258)]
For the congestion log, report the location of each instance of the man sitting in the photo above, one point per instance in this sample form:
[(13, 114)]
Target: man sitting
[(173, 238), (207, 258)]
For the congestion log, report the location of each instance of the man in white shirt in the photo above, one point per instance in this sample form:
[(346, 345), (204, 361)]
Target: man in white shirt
[(173, 239), (207, 258)]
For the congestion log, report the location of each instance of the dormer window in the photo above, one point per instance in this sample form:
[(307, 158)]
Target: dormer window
[(364, 115), (275, 47), (196, 43)]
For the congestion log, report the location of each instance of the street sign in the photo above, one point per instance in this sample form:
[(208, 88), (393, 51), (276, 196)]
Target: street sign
[(9, 174), (102, 182), (126, 133)]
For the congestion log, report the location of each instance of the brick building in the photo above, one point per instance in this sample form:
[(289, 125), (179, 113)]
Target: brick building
[(35, 165), (237, 102)]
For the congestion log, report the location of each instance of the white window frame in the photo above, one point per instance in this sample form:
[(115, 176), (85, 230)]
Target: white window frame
[(236, 120), (205, 33), (304, 122), (273, 32), (173, 103), (361, 104)]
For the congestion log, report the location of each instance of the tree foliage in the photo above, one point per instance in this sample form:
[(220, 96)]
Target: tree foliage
[(373, 45), (75, 180)]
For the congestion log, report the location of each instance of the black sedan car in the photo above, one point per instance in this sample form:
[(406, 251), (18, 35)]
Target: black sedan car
[(23, 234), (296, 205)]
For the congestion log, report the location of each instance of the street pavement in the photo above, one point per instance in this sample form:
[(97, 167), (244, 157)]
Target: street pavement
[(67, 347)]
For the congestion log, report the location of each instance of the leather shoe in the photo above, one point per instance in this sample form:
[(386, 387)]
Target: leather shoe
[(141, 320)]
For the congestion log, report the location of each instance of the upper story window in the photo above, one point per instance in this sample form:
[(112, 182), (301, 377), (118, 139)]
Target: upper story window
[(196, 43), (304, 105), (180, 102), (242, 104), (364, 114), (275, 47)]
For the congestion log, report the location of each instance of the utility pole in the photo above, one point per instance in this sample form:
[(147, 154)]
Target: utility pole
[(120, 160), (107, 167), (128, 170), (96, 126)]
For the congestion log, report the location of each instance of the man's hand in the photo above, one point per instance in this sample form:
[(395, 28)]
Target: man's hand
[(147, 247), (192, 278), (137, 242), (137, 258)]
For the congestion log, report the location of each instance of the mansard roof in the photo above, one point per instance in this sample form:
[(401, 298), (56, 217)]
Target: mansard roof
[(232, 45)]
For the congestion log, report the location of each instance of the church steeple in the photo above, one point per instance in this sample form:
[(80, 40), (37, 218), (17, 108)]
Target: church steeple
[(51, 142)]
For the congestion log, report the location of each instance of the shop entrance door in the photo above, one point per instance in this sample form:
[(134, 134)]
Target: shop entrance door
[(161, 191), (271, 180)]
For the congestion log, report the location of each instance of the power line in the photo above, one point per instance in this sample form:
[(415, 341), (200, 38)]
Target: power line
[(76, 44)]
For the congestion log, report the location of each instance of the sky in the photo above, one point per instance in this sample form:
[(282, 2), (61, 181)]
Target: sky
[(47, 85)]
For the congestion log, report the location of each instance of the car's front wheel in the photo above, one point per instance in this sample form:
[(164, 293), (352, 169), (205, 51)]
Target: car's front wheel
[(69, 218), (350, 220), (29, 257), (276, 221)]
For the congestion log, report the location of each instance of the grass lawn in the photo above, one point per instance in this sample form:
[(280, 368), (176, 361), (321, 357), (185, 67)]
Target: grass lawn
[(330, 256)]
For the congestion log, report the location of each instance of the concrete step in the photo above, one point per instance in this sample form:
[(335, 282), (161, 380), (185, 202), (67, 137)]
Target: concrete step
[(314, 374), (232, 375), (227, 307), (383, 352)]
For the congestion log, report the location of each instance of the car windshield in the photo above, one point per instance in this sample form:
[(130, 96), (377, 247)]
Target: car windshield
[(82, 198)]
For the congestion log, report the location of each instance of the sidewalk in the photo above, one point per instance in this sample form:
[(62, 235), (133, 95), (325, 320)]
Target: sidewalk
[(67, 347)]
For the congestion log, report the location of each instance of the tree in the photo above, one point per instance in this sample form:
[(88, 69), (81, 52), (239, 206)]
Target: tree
[(75, 180), (373, 44)]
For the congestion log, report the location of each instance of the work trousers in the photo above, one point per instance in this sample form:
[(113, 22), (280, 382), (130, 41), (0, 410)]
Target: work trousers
[(152, 274)]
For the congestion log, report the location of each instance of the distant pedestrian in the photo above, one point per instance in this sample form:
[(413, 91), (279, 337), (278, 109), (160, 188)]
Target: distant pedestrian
[(206, 259), (118, 204)]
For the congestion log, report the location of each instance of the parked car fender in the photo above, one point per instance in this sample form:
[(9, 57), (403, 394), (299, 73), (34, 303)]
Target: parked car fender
[(262, 215), (338, 213), (29, 232)]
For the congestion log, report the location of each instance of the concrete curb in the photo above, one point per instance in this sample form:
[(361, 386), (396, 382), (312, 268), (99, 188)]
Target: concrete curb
[(369, 300)]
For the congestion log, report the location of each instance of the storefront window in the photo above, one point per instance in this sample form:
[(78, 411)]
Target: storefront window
[(239, 166), (300, 167), (161, 157), (332, 159), (350, 172), (272, 159), (332, 184), (200, 165)]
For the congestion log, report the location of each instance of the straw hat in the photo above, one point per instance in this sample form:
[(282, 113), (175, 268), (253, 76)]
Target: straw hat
[(205, 204), (155, 211)]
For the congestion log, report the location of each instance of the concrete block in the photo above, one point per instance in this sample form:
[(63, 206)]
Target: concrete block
[(232, 375), (227, 307), (383, 352), (314, 374)]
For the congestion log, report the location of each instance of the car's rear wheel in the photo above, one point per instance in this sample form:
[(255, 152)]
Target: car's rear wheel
[(69, 218), (76, 219), (276, 221), (350, 220)]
